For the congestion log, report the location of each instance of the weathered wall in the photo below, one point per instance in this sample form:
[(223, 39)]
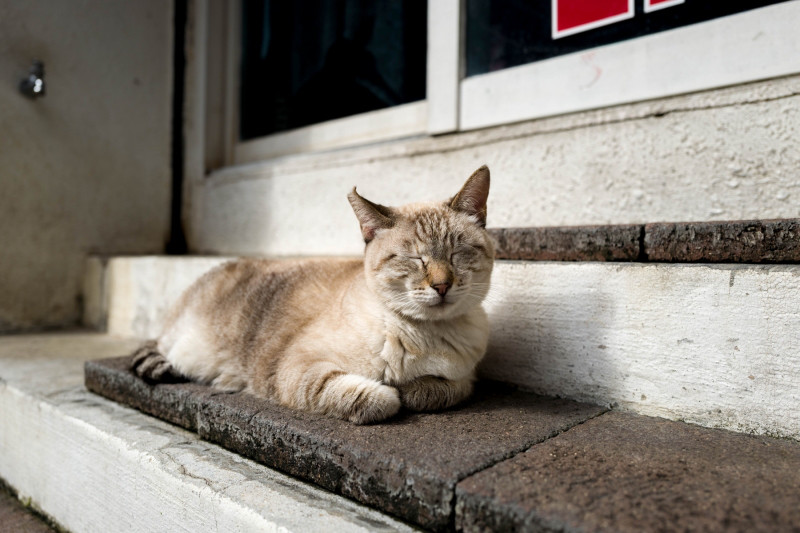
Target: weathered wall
[(86, 168), (718, 155)]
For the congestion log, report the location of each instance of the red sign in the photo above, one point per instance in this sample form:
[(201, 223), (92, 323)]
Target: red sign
[(652, 5), (575, 16)]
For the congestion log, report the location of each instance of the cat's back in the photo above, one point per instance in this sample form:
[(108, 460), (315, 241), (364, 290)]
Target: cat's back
[(243, 293)]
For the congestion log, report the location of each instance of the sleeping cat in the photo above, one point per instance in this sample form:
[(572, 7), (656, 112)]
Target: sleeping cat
[(353, 339)]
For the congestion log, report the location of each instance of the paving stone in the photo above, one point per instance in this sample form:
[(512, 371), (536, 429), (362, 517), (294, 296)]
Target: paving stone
[(749, 241), (408, 466), (578, 243), (15, 518), (625, 472), (178, 405)]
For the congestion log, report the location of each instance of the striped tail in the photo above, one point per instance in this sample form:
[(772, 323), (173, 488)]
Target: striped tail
[(148, 363)]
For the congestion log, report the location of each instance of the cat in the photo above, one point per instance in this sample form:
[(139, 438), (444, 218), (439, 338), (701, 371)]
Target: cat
[(353, 339)]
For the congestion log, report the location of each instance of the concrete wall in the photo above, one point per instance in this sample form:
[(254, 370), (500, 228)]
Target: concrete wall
[(85, 169), (718, 155)]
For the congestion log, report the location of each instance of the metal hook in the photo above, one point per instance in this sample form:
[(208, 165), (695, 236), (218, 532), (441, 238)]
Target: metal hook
[(33, 86)]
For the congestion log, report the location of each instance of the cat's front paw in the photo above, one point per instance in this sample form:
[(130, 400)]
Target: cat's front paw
[(373, 403), (431, 393)]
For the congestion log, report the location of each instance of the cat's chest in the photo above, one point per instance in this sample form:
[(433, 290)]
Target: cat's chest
[(449, 350)]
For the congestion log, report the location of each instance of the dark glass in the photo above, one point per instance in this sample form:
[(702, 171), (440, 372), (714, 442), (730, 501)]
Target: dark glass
[(507, 33), (308, 61)]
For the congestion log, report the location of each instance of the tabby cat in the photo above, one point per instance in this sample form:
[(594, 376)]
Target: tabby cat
[(354, 339)]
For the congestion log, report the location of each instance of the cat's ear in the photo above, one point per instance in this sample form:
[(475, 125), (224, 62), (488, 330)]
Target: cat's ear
[(372, 217), (471, 199)]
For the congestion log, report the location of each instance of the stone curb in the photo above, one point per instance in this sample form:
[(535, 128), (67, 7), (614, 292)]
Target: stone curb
[(755, 241), (580, 243), (747, 241), (631, 473), (408, 467)]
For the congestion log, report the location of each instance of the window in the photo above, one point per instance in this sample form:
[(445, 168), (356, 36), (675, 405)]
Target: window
[(507, 33), (635, 50), (312, 75), (311, 61)]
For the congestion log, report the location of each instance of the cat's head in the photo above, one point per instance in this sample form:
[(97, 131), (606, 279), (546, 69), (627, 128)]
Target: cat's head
[(429, 261)]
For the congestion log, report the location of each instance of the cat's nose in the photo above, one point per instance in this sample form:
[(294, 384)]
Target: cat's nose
[(442, 288)]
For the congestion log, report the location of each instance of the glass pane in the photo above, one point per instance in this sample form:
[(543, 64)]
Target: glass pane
[(507, 33), (308, 61)]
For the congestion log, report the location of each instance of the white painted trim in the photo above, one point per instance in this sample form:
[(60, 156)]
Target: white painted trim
[(232, 77), (196, 122), (757, 44), (444, 68), (381, 125), (649, 8), (589, 26)]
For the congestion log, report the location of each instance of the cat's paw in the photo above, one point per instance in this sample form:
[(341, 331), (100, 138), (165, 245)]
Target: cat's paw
[(431, 393), (372, 402)]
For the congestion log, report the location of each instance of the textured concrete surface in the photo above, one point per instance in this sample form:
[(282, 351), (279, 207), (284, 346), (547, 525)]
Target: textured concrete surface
[(129, 296), (408, 466), (15, 518), (86, 168), (728, 154), (131, 471), (577, 243), (714, 345), (629, 473), (745, 241)]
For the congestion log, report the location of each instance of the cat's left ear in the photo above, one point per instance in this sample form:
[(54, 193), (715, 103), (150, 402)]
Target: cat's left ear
[(372, 217), (471, 199)]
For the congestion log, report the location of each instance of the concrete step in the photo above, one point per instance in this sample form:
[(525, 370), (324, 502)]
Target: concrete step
[(505, 461), (408, 466), (714, 345), (92, 465)]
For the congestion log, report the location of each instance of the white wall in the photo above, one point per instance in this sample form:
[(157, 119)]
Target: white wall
[(86, 168), (719, 155)]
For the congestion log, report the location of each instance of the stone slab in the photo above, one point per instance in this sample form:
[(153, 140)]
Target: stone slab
[(625, 472), (747, 241), (408, 466), (578, 243)]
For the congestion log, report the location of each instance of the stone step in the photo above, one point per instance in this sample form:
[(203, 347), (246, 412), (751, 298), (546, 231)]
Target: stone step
[(714, 345), (408, 466), (626, 472), (505, 461), (92, 465)]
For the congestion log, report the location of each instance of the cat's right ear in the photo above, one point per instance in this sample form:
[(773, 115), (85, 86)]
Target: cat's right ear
[(372, 217)]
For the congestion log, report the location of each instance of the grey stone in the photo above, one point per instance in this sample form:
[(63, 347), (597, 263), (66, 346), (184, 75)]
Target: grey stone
[(749, 241), (407, 466), (578, 243), (624, 472)]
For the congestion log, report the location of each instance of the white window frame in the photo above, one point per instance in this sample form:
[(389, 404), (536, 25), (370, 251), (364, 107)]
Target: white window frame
[(626, 72), (753, 45)]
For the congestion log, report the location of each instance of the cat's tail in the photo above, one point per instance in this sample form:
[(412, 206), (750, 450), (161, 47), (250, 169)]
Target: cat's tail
[(150, 364)]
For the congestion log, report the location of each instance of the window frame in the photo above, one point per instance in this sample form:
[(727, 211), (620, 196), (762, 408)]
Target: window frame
[(721, 57)]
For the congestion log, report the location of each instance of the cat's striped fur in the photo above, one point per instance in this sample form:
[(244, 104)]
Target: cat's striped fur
[(354, 339)]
